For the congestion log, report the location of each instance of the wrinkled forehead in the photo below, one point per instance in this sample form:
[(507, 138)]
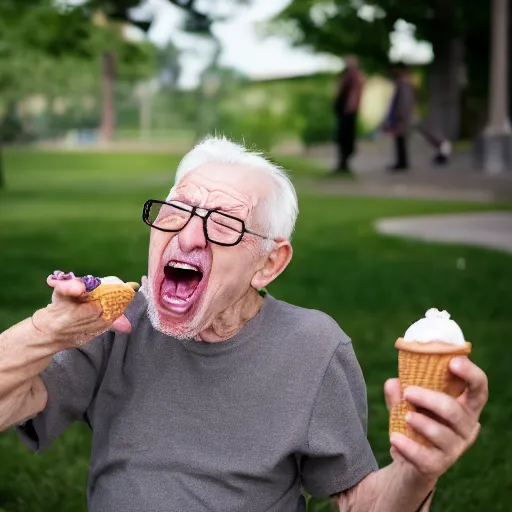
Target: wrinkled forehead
[(229, 187)]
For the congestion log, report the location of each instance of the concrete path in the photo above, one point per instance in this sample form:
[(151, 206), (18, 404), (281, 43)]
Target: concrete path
[(486, 229), (459, 181), (408, 187)]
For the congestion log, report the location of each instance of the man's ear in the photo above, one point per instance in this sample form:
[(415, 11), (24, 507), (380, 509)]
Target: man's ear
[(274, 264)]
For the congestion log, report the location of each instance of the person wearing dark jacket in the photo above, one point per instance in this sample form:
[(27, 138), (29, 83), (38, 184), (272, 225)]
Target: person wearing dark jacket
[(346, 106), (400, 114)]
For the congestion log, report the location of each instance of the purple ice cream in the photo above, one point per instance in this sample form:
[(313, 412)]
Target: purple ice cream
[(90, 282)]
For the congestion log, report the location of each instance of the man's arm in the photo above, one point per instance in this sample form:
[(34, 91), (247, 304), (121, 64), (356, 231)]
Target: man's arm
[(404, 484), (389, 490), (24, 353), (27, 348)]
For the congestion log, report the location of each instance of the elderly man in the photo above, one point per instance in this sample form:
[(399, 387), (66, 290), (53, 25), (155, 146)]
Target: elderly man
[(207, 395)]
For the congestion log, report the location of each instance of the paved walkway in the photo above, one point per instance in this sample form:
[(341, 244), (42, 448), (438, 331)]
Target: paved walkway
[(485, 229), (458, 181)]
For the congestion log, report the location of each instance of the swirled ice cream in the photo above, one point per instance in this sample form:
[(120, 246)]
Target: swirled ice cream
[(435, 326)]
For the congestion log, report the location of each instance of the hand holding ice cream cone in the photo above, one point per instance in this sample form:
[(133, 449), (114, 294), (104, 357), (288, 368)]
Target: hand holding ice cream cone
[(84, 307), (425, 353), (436, 403)]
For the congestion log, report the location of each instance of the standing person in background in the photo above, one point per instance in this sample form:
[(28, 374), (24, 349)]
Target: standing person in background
[(400, 115), (346, 106)]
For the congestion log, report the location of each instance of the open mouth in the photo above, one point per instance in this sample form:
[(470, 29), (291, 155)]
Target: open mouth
[(180, 286)]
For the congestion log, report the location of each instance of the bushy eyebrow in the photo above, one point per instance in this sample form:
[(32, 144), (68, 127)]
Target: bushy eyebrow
[(181, 201), (215, 206)]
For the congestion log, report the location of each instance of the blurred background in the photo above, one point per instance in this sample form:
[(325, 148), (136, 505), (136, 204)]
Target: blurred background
[(99, 100)]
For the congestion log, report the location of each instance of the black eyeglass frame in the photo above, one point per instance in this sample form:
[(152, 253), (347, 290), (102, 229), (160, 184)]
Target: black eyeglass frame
[(193, 212)]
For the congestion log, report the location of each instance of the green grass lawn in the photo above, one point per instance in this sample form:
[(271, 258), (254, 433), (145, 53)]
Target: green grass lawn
[(82, 212)]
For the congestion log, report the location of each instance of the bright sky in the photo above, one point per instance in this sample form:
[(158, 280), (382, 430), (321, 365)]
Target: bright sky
[(257, 57)]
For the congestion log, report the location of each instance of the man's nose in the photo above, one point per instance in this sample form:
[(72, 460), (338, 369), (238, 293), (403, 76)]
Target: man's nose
[(192, 235)]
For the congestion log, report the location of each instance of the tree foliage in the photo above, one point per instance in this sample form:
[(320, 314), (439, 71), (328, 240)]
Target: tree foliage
[(363, 27), (46, 45), (39, 42), (198, 17)]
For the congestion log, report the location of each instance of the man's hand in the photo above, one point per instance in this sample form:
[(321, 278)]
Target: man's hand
[(70, 320), (28, 347), (452, 425)]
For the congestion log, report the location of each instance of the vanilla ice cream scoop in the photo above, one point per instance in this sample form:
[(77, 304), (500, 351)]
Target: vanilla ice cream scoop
[(111, 280), (436, 326), (92, 282)]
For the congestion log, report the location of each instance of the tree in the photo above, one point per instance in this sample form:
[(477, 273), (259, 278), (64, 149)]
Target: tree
[(27, 40), (455, 29), (197, 21), (40, 39), (45, 30)]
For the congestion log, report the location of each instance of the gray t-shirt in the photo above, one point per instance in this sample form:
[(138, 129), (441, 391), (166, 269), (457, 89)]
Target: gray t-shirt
[(236, 426)]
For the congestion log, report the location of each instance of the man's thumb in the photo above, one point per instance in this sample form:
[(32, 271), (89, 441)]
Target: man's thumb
[(72, 288), (392, 392), (122, 324)]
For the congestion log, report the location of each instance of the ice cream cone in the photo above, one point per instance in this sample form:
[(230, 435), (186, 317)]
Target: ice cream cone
[(114, 298), (426, 365)]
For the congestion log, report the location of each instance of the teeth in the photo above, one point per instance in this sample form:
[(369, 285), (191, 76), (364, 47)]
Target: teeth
[(184, 266), (176, 300)]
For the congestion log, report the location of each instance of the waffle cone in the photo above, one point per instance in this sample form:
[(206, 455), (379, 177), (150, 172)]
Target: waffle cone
[(425, 365), (113, 298)]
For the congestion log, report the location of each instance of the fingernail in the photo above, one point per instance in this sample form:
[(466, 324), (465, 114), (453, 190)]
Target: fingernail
[(408, 417)]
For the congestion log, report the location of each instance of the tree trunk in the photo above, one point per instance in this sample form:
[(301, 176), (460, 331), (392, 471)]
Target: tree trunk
[(107, 86), (444, 80)]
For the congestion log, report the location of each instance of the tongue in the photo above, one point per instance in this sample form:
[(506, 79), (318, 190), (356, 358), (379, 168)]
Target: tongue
[(186, 287), (183, 286)]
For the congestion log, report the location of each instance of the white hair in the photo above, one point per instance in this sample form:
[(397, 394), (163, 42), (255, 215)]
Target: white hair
[(281, 206)]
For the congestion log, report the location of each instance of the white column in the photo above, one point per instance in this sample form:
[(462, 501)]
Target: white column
[(496, 140), (499, 123)]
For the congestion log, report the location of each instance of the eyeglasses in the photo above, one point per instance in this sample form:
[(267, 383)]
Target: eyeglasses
[(219, 228)]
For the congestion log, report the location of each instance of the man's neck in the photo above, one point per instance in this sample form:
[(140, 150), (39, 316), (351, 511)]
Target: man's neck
[(231, 321)]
